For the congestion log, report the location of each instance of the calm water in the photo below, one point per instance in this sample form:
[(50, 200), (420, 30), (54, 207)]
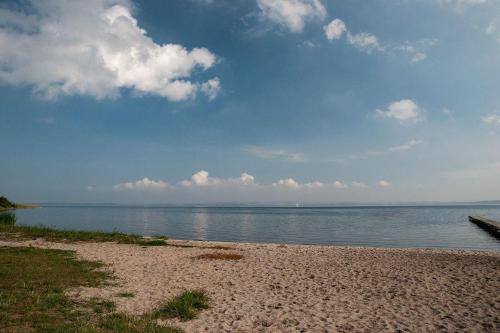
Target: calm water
[(429, 226)]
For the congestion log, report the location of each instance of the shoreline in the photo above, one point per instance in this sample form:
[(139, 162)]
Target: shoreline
[(452, 249), (293, 288)]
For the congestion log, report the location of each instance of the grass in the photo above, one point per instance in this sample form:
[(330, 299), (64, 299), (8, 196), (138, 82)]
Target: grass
[(10, 230), (185, 306), (32, 296), (220, 256), (7, 219), (153, 242), (125, 294)]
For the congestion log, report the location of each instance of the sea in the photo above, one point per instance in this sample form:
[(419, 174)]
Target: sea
[(395, 226)]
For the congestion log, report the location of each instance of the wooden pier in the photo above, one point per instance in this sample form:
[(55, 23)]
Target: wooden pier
[(493, 227)]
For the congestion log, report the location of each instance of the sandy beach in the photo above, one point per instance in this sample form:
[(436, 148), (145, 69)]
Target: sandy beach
[(301, 288)]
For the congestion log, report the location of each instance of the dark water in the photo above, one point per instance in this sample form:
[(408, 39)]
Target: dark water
[(425, 226)]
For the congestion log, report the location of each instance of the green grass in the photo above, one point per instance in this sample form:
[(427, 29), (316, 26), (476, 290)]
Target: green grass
[(153, 242), (7, 219), (32, 298), (10, 230), (185, 306)]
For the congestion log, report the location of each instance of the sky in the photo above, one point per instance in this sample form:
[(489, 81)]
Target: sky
[(207, 101)]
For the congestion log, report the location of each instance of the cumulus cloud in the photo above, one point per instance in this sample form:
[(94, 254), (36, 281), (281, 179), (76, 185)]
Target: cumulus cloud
[(287, 183), (493, 118), (363, 41), (384, 183), (95, 48), (335, 29), (339, 184), (404, 110), (142, 184), (202, 179), (270, 154), (292, 14)]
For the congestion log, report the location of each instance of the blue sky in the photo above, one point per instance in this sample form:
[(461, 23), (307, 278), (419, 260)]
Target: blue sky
[(197, 101)]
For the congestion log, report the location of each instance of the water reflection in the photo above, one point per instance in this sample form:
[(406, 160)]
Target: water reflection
[(200, 224), (435, 226)]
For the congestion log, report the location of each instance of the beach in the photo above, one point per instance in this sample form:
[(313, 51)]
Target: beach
[(302, 288)]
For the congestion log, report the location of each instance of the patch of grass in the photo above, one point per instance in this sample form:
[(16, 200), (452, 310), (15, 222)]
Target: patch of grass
[(220, 256), (10, 230), (184, 306), (125, 294), (122, 323), (32, 285), (7, 219), (101, 306), (153, 242), (32, 296)]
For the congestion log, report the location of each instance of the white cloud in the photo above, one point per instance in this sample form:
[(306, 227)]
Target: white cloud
[(314, 185), (142, 184), (202, 179), (95, 48), (290, 183), (384, 183), (364, 41), (339, 184), (418, 50), (356, 184), (368, 42), (335, 29), (493, 118), (246, 179), (211, 88), (90, 188), (404, 110), (292, 14), (287, 183), (407, 146), (270, 154)]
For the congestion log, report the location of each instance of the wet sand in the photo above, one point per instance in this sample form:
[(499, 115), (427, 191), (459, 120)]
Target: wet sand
[(301, 288)]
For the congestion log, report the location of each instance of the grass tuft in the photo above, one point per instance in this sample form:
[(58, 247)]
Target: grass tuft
[(125, 294), (153, 242), (220, 256), (184, 306)]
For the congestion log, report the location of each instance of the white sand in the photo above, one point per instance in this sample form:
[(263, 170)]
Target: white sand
[(277, 288)]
